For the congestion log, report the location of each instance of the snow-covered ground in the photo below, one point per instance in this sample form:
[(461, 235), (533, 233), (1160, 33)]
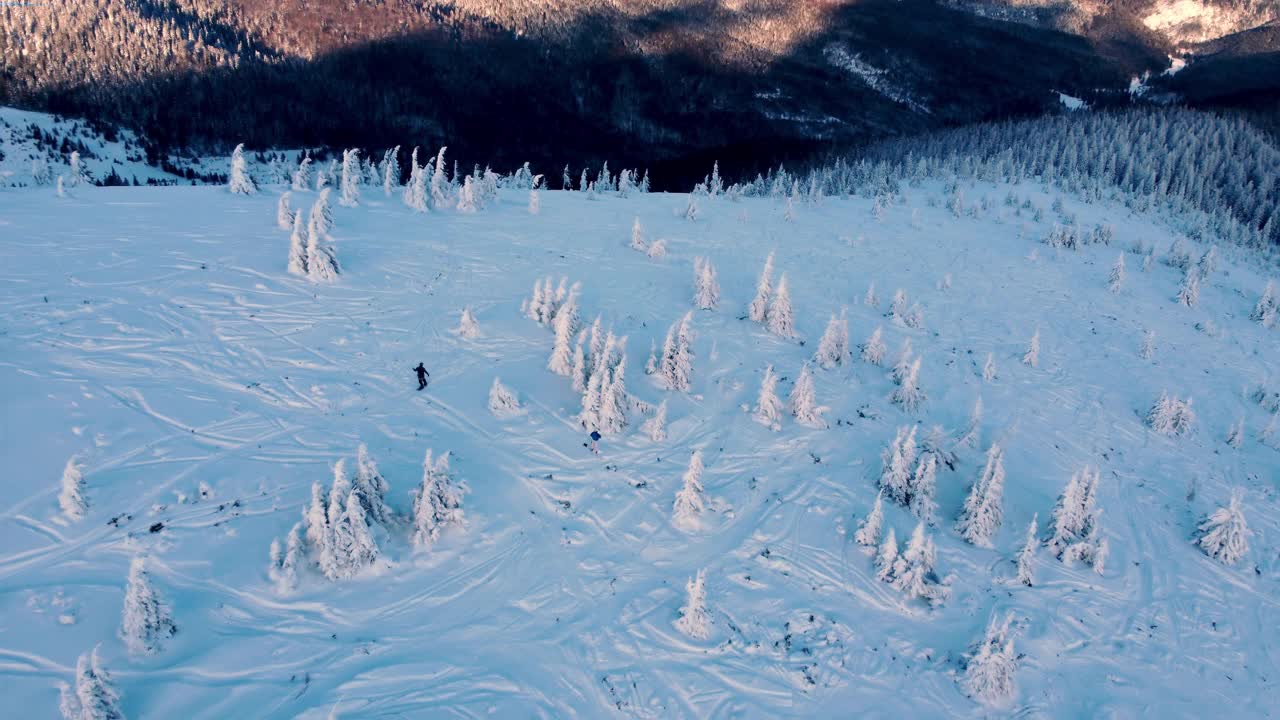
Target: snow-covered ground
[(154, 333)]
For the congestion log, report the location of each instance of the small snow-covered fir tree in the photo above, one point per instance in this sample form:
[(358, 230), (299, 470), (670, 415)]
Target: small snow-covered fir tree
[(284, 214), (1027, 555), (899, 459), (781, 319), (1189, 291), (1235, 436), (562, 360), (909, 395), (913, 573), (535, 197), (349, 186), (391, 170), (467, 326), (988, 675), (71, 497), (371, 488), (468, 196), (924, 482), (637, 237), (75, 170), (1147, 349), (1224, 535), (356, 545), (655, 428), (301, 179), (1076, 528), (887, 557), (803, 402), (321, 261), (440, 188), (833, 348), (898, 307), (415, 192), (694, 619), (93, 697), (706, 288), (759, 308), (902, 365), (437, 502), (1171, 416), (286, 560), (690, 500), (1115, 281), (239, 182), (502, 401), (983, 509), (675, 369), (768, 411), (298, 246), (578, 374), (1032, 356), (870, 299), (145, 624), (972, 435), (873, 349), (1265, 310), (868, 534), (989, 368), (61, 187)]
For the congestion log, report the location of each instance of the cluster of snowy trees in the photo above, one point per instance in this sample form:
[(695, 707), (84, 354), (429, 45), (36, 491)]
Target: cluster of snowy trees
[(1171, 415), (1076, 529), (909, 477), (341, 529), (909, 570), (772, 307), (311, 254), (990, 666)]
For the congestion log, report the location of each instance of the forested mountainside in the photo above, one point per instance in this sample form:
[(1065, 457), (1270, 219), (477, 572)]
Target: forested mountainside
[(666, 85)]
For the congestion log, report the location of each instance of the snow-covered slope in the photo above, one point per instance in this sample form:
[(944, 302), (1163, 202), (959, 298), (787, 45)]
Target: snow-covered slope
[(154, 333)]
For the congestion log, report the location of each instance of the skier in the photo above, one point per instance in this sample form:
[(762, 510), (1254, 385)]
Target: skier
[(422, 376), (595, 442)]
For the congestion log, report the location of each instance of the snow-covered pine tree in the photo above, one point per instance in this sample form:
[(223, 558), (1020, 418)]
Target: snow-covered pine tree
[(415, 192), (873, 349), (535, 197), (502, 401), (356, 546), (1027, 555), (924, 482), (983, 509), (759, 309), (1032, 356), (868, 534), (898, 307), (322, 210), (321, 262), (781, 319), (298, 246), (909, 395), (61, 189), (973, 431), (469, 196), (833, 348), (988, 675), (902, 365), (676, 366), (284, 214), (1224, 535), (1115, 281), (1076, 526), (887, 557), (437, 502), (93, 697), (350, 183), (1189, 291), (286, 559), (1171, 416), (371, 488), (301, 179), (391, 170), (440, 187), (913, 573), (637, 237), (75, 170), (1147, 349), (655, 428), (803, 402), (239, 182), (578, 375), (145, 623), (690, 500), (989, 368), (1235, 436), (614, 400), (898, 459), (871, 299), (768, 411), (694, 619), (706, 288), (1266, 308), (71, 498), (468, 328)]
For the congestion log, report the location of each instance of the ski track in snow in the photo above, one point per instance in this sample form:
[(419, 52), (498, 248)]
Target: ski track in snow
[(155, 333)]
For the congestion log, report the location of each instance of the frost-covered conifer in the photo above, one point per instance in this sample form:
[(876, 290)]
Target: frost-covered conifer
[(298, 247), (468, 196), (391, 170), (676, 366), (871, 299), (989, 368), (1235, 436), (1148, 348), (924, 483), (898, 307), (284, 214), (92, 697), (437, 502), (371, 488), (759, 308), (804, 402), (1076, 528), (502, 401), (321, 262), (887, 557), (61, 189), (706, 288), (1208, 262), (833, 348), (1032, 356), (578, 374), (1171, 416), (535, 201), (355, 544), (868, 534), (71, 495), (1224, 535), (913, 573), (983, 509), (1266, 308), (1115, 281), (694, 619), (909, 395), (902, 365), (768, 411), (973, 431), (301, 179), (690, 500), (440, 188), (1189, 292), (415, 192), (899, 459), (350, 183), (238, 183), (286, 560), (655, 428), (75, 170), (637, 237), (873, 349), (1027, 555), (322, 212), (781, 319), (145, 624), (988, 676), (468, 327)]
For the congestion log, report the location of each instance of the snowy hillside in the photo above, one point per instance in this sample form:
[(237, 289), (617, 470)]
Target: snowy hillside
[(155, 336)]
